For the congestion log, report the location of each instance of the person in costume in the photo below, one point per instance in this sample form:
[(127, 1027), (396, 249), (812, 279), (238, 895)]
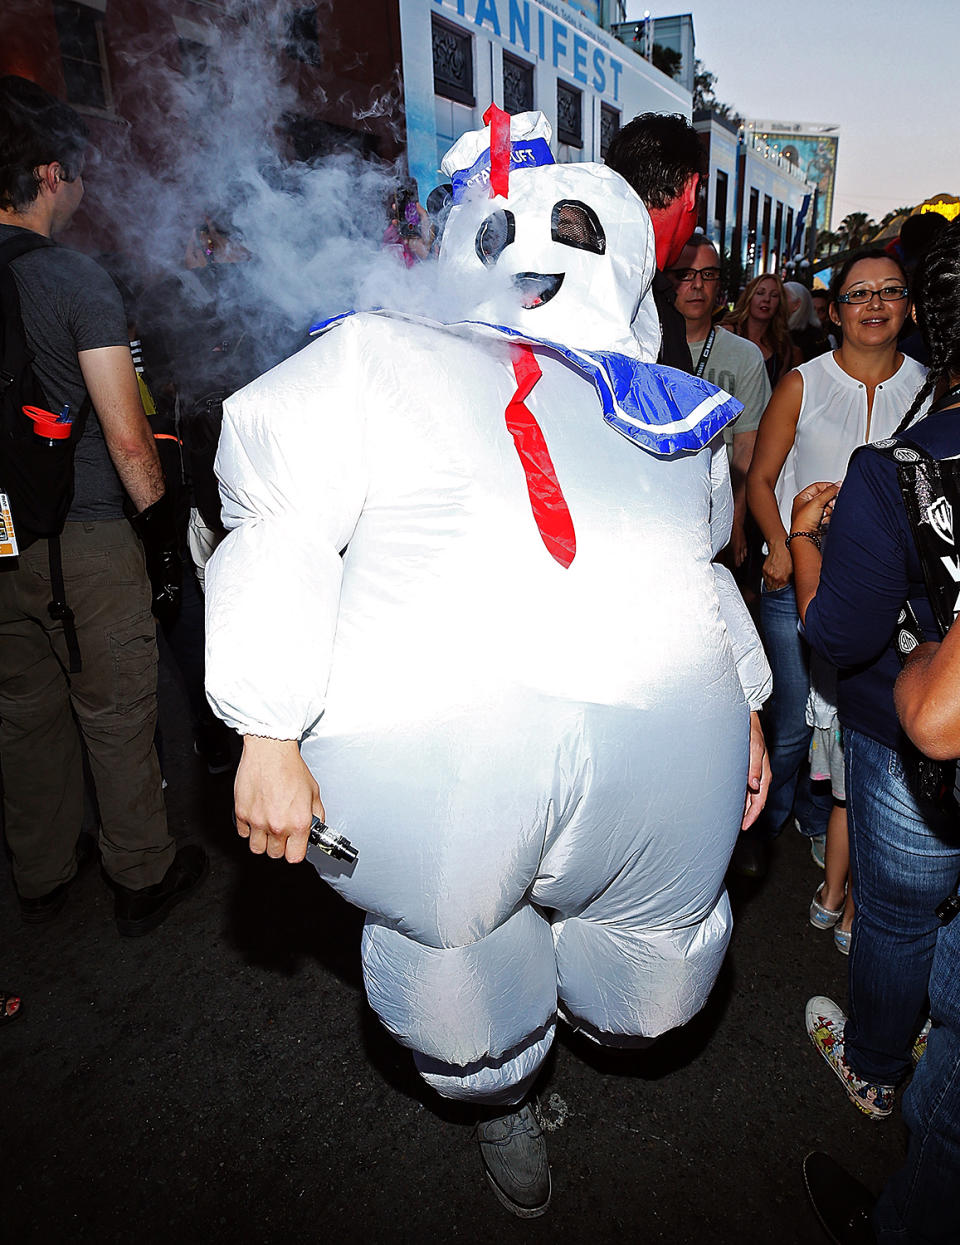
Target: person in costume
[(467, 614)]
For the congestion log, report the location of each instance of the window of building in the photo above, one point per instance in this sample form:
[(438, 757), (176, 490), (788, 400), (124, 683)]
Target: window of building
[(303, 35), (569, 115), (80, 33), (517, 85), (778, 237), (788, 240), (720, 209), (452, 62), (765, 240), (609, 127), (752, 218)]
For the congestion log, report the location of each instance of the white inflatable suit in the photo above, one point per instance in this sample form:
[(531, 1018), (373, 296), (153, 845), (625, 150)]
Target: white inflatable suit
[(493, 622)]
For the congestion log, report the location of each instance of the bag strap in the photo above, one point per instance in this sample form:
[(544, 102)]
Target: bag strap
[(930, 490), (58, 609)]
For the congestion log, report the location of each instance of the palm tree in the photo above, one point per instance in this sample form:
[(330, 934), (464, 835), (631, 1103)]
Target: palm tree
[(855, 228)]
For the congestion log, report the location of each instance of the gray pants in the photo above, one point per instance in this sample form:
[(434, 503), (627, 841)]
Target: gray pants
[(111, 703)]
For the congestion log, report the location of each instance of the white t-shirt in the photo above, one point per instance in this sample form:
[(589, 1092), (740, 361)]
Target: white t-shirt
[(833, 422), (736, 365)]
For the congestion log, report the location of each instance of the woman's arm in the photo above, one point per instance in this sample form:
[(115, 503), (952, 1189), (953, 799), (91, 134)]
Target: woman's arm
[(811, 514), (775, 437)]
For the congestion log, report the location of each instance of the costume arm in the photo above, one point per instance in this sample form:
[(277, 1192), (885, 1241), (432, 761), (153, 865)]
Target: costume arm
[(292, 480), (752, 666)]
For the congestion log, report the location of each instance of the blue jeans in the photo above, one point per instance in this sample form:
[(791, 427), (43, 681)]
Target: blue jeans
[(920, 1204), (784, 719), (904, 859)]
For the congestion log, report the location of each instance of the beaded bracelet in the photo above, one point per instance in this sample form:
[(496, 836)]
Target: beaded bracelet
[(807, 536)]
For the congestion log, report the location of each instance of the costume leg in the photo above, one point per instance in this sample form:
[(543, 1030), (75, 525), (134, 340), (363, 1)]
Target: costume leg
[(39, 743), (904, 859), (115, 696), (480, 1018)]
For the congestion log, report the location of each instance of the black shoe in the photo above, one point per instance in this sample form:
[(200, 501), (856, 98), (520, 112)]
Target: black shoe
[(842, 1204), (44, 908), (138, 912), (514, 1156), (750, 855)]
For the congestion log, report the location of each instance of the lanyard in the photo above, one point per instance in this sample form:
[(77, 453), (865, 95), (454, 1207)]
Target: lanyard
[(705, 352)]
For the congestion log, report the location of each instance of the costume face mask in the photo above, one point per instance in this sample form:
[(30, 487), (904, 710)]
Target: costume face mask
[(566, 256)]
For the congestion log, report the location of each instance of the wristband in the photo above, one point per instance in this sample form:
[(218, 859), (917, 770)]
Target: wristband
[(807, 536)]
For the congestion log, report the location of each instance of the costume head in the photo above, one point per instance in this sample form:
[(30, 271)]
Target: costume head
[(563, 253)]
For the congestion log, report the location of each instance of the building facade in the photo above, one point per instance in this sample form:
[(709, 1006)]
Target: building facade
[(759, 207), (461, 55)]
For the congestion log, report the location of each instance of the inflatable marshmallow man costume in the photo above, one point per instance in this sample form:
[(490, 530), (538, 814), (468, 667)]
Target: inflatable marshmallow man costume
[(524, 687)]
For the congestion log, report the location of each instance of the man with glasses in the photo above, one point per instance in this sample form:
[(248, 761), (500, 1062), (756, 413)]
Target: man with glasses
[(724, 359), (662, 159)]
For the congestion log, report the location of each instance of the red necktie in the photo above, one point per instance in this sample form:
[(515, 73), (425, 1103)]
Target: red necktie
[(546, 500)]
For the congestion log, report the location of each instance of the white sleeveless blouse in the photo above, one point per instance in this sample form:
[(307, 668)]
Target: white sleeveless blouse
[(833, 422)]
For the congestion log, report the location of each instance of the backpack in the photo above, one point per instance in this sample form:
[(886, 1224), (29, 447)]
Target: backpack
[(36, 470), (37, 446), (930, 490)]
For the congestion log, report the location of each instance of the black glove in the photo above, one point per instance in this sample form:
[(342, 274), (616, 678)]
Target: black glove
[(156, 527)]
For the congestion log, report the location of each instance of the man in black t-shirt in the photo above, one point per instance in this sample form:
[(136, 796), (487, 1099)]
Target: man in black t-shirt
[(75, 327), (661, 157)]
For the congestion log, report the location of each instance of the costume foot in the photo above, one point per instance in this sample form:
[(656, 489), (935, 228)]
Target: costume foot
[(138, 912), (825, 1022), (513, 1151), (842, 1204)]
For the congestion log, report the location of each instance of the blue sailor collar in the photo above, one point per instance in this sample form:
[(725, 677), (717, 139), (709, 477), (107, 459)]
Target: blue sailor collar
[(660, 409)]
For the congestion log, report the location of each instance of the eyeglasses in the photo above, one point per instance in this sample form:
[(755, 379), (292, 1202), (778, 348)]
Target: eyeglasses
[(889, 294), (684, 275)]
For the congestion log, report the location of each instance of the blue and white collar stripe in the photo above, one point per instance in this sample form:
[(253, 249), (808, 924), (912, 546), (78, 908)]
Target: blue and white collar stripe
[(658, 408)]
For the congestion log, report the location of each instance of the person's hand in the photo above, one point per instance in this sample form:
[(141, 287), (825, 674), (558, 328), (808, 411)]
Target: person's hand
[(758, 774), (275, 798), (813, 506), (777, 566)]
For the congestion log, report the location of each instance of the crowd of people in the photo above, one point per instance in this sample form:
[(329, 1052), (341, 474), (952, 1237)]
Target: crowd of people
[(809, 496)]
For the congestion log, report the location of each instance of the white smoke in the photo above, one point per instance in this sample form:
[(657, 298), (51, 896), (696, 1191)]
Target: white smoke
[(216, 146)]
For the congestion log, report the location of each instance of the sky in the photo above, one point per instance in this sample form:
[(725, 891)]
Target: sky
[(884, 71)]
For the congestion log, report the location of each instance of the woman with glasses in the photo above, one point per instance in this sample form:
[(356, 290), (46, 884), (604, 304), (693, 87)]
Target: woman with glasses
[(905, 841), (760, 314), (818, 415)]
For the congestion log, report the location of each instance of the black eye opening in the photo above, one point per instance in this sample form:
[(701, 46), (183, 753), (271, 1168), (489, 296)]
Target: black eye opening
[(576, 224), (494, 236)]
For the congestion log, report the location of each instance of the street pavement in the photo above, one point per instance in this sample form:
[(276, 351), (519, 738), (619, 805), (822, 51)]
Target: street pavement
[(222, 1078)]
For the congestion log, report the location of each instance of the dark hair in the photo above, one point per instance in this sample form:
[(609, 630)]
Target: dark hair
[(35, 129), (937, 310), (820, 292), (917, 233), (656, 153), (841, 274)]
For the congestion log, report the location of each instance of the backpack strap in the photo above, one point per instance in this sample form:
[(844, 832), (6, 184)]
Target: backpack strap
[(58, 609)]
